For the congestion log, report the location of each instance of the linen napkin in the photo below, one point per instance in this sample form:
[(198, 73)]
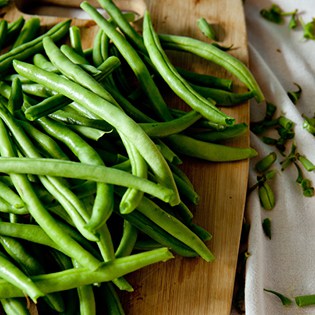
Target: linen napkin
[(280, 58)]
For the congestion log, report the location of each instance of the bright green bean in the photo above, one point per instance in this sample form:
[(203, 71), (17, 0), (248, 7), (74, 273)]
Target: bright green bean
[(97, 173), (100, 48), (75, 39), (216, 55), (209, 151), (72, 278), (16, 96), (127, 241)]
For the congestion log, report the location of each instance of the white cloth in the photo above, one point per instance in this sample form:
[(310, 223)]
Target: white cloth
[(279, 56)]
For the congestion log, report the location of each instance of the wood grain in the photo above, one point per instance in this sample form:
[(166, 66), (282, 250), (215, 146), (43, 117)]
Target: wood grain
[(191, 286)]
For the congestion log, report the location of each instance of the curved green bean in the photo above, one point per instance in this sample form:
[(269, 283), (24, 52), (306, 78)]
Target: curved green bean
[(72, 278), (209, 151), (216, 55)]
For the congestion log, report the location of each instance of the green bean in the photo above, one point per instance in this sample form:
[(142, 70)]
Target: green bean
[(206, 28), (55, 186), (30, 266), (3, 32), (40, 214), (72, 118), (30, 48), (12, 274), (86, 297), (100, 48), (209, 151), (133, 60), (42, 62), (70, 169), (221, 97), (112, 304), (36, 90), (167, 128), (175, 81), (216, 55), (14, 29), (12, 198), (111, 114), (16, 96), (168, 153), (75, 39), (305, 300), (174, 227), (46, 143), (124, 25), (28, 32), (103, 204), (146, 226), (225, 134), (74, 56), (72, 278), (205, 79), (14, 306), (127, 241), (265, 163)]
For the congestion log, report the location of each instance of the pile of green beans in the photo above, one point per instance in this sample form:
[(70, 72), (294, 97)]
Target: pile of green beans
[(91, 187)]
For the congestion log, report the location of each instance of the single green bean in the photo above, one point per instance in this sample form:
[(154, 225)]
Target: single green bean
[(222, 97), (127, 241), (86, 297), (42, 62), (30, 48), (206, 28), (75, 39), (111, 114), (164, 129), (305, 300), (216, 55), (28, 32), (180, 86), (36, 90), (12, 198), (209, 151), (133, 59), (100, 48), (74, 56), (221, 135), (205, 79), (112, 304), (3, 32), (70, 169), (16, 96), (72, 278)]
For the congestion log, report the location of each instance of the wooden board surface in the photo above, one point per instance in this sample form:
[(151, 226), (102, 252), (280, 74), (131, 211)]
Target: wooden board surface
[(191, 286)]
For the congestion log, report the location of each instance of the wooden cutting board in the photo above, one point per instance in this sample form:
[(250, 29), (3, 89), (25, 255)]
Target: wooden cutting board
[(190, 286)]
